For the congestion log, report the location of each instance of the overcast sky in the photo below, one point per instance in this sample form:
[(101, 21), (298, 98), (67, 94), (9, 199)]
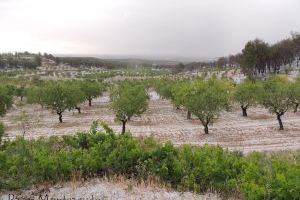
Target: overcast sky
[(186, 28)]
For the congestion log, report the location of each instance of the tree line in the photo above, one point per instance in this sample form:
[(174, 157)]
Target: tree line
[(88, 62), (259, 57), (20, 60), (64, 95), (206, 99), (203, 99), (128, 99), (57, 96), (256, 58)]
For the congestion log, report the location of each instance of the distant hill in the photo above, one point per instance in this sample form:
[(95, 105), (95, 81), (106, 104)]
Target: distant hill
[(139, 59), (77, 61), (134, 61)]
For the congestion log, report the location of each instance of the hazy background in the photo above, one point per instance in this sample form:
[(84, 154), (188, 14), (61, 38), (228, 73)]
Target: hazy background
[(144, 28)]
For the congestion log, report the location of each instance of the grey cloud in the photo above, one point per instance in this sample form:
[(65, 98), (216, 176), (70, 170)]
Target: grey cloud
[(190, 28)]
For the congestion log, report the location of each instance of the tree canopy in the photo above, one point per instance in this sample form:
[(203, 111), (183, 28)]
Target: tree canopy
[(35, 95), (76, 95), (247, 94), (276, 97), (254, 58), (180, 94), (295, 93), (206, 99), (60, 97), (164, 88), (20, 92), (91, 90), (129, 100)]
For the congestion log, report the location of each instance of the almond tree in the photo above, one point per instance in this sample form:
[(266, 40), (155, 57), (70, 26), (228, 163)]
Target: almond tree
[(276, 97), (180, 93), (247, 94), (165, 89), (20, 92), (91, 90), (207, 99), (295, 94), (60, 97), (34, 95), (76, 96), (129, 100)]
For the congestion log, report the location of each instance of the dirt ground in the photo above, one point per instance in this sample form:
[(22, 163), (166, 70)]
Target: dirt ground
[(258, 132), (111, 190)]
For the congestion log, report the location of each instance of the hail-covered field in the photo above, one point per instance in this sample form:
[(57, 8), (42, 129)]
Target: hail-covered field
[(257, 132), (112, 189)]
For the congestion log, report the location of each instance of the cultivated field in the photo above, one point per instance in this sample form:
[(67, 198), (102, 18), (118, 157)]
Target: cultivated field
[(258, 132)]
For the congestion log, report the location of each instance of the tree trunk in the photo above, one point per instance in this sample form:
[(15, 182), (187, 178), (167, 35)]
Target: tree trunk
[(189, 114), (206, 129), (123, 126), (21, 98), (296, 107), (244, 109), (280, 121), (78, 108), (90, 102), (60, 117)]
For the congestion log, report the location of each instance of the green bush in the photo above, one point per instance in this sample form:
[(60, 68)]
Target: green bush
[(256, 176), (271, 177)]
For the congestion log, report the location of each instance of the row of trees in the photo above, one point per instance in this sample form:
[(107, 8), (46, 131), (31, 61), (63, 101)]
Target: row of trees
[(257, 57), (230, 61), (128, 98), (87, 62), (202, 99), (15, 60), (66, 95), (277, 94), (207, 99)]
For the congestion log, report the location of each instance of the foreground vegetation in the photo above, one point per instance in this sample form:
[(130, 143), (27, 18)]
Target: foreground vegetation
[(199, 169)]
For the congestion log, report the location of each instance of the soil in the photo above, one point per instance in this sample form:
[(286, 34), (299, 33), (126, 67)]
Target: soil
[(257, 132), (112, 190)]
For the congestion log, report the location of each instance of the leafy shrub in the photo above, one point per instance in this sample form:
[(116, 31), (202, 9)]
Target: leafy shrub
[(274, 177), (256, 176)]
